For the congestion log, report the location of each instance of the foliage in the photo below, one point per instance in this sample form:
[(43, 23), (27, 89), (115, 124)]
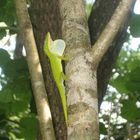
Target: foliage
[(7, 15), (134, 25), (16, 118), (122, 120), (7, 12)]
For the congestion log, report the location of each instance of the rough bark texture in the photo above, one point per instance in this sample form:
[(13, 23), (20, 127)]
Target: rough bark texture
[(81, 88), (100, 14), (26, 31), (110, 31), (46, 18)]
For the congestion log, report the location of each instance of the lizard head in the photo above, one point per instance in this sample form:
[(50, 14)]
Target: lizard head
[(53, 47), (47, 43)]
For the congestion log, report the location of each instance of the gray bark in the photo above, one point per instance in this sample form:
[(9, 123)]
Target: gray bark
[(81, 86)]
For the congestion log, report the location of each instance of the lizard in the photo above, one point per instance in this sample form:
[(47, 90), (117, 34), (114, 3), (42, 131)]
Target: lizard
[(54, 50)]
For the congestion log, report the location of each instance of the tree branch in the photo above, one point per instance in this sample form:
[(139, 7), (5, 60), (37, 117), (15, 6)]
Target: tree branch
[(81, 89), (44, 114), (110, 31), (14, 29), (100, 14)]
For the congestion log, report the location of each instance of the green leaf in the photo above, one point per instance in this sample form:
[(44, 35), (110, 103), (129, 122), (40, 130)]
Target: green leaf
[(3, 107), (4, 138), (18, 90), (8, 13), (17, 107), (2, 33), (14, 108), (102, 129), (28, 128), (129, 110), (2, 3), (135, 75), (133, 87), (135, 25), (6, 96), (4, 57), (22, 89), (119, 84), (133, 84), (133, 64), (2, 115), (16, 69)]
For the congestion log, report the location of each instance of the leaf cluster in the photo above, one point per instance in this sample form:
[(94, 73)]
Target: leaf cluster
[(7, 15), (124, 110), (17, 115)]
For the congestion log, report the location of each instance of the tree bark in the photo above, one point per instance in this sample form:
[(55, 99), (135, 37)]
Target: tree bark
[(46, 17), (44, 114), (100, 14), (81, 88), (19, 46)]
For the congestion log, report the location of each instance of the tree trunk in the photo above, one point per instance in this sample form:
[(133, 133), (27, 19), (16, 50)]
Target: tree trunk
[(46, 17), (81, 87)]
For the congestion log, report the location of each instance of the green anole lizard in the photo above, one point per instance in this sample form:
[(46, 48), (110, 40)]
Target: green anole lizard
[(54, 50)]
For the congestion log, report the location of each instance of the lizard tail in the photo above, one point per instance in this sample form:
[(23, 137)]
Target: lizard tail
[(63, 99)]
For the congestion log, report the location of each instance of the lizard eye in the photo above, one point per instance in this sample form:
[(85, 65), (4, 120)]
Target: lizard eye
[(58, 47)]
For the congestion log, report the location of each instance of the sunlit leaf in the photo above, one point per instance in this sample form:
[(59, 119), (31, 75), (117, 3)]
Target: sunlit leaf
[(17, 107), (129, 110), (133, 84), (120, 84)]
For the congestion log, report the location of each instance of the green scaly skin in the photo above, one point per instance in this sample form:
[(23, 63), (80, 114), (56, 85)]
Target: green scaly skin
[(57, 70)]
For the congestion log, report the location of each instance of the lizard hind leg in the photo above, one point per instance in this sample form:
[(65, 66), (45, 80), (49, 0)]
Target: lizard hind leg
[(63, 76), (64, 58)]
